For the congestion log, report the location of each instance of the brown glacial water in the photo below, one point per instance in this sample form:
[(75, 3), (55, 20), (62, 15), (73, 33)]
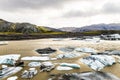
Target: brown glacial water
[(28, 47)]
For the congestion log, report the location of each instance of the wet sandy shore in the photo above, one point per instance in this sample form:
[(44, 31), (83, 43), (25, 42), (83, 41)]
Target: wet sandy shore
[(27, 47)]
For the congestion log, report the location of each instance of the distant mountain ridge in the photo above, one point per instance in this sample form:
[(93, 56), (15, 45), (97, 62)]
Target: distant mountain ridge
[(26, 28), (114, 26), (68, 29)]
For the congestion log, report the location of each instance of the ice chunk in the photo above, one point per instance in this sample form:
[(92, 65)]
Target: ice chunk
[(13, 78), (85, 76), (36, 58), (70, 65), (67, 49), (69, 55), (64, 68), (86, 50), (47, 63), (13, 57), (34, 64), (98, 62)]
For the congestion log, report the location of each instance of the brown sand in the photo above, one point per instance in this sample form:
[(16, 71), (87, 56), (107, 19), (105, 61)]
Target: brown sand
[(27, 47)]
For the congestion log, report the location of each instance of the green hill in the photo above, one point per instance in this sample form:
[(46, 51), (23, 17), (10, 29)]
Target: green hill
[(23, 28)]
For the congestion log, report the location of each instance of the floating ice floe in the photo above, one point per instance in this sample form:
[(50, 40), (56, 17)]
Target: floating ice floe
[(94, 39), (86, 50), (4, 66), (67, 49), (76, 66), (34, 64), (47, 66), (77, 38), (29, 73), (13, 78), (69, 55), (3, 42), (47, 63), (111, 37), (111, 52), (78, 49), (98, 62), (68, 66), (8, 71), (58, 39), (9, 59), (85, 76), (53, 58), (64, 68), (34, 58)]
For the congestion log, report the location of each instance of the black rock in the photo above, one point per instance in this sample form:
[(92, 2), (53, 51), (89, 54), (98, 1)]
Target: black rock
[(46, 50)]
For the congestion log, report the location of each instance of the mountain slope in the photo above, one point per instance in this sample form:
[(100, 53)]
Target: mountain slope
[(94, 27), (67, 29), (98, 27), (26, 28)]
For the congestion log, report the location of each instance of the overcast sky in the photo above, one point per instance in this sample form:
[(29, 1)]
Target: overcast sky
[(61, 13)]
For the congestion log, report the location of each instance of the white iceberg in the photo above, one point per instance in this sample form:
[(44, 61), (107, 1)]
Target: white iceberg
[(111, 52), (96, 75), (86, 50), (9, 71), (8, 58), (34, 64), (47, 66), (98, 62), (70, 65), (13, 78), (3, 42), (29, 73), (64, 68), (94, 39), (69, 55), (67, 49), (35, 58), (47, 63)]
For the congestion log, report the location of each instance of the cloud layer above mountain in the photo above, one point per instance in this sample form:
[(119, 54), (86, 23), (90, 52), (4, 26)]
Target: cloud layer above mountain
[(60, 13)]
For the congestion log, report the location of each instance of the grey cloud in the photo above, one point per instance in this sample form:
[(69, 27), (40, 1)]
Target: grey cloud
[(71, 14), (111, 8), (11, 5), (107, 8)]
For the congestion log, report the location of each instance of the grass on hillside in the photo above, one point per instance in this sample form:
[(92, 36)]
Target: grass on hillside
[(9, 33), (43, 29), (43, 33), (101, 32)]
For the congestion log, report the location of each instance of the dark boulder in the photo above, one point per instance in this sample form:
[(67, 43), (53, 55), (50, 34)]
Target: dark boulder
[(46, 50)]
